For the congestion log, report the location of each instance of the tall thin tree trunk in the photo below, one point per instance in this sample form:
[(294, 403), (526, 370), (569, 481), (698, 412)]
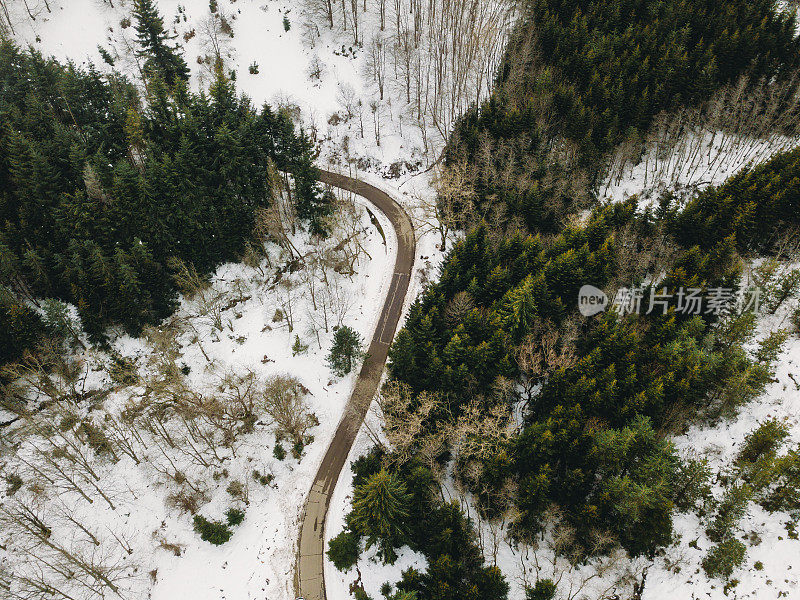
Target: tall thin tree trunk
[(28, 8), (8, 17)]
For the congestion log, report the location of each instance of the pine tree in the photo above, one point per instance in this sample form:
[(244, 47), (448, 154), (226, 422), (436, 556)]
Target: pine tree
[(783, 493), (347, 348), (154, 42), (313, 206), (380, 509), (20, 327), (57, 319), (104, 54), (343, 550), (520, 306)]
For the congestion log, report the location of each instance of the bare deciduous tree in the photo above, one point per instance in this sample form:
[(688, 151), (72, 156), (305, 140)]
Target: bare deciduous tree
[(744, 122), (376, 64), (405, 416), (50, 374), (451, 207), (284, 401), (277, 222), (545, 349), (5, 20), (48, 566)]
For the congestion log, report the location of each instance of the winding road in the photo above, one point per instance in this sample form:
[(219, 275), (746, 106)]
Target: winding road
[(309, 571)]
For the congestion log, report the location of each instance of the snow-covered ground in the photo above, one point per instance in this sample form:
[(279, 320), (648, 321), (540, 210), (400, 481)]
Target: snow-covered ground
[(697, 160), (75, 29)]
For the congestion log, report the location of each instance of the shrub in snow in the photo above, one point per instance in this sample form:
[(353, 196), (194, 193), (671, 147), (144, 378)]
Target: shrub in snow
[(14, 483), (217, 475), (122, 370), (185, 499), (343, 550), (212, 531), (234, 516), (724, 558), (297, 449), (545, 589), (791, 529), (236, 489), (299, 347), (263, 479), (360, 594), (279, 452)]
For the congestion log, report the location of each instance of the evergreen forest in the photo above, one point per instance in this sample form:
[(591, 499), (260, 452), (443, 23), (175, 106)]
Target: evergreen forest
[(106, 185)]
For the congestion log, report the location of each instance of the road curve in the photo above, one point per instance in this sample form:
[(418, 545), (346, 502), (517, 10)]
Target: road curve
[(309, 571)]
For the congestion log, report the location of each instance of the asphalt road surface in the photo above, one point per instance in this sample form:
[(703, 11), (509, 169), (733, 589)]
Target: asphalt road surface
[(309, 571)]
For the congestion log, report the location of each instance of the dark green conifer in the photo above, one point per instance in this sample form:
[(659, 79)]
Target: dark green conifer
[(161, 58)]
